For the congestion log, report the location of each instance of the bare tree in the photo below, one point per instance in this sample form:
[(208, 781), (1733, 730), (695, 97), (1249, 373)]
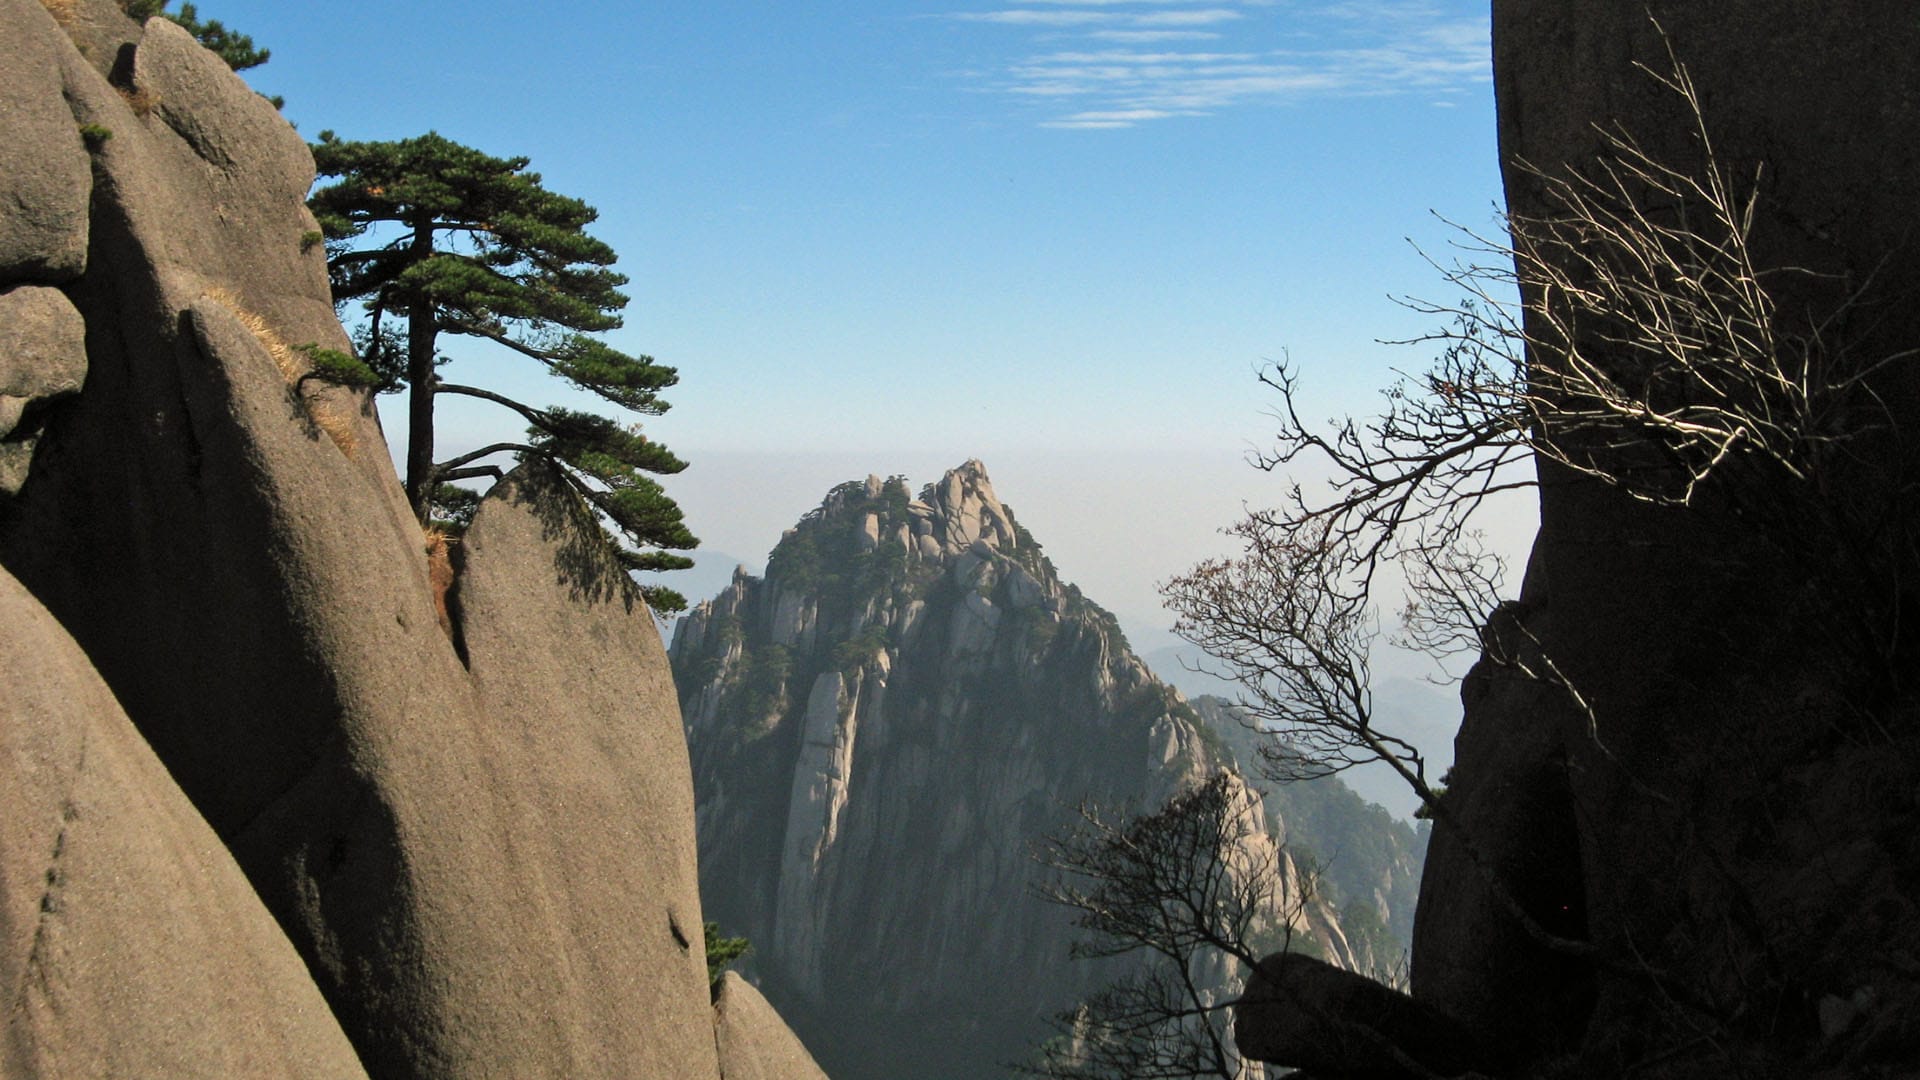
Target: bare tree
[(1629, 337), (1194, 893)]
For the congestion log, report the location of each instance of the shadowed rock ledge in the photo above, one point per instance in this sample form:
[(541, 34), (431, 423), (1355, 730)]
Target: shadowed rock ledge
[(130, 943)]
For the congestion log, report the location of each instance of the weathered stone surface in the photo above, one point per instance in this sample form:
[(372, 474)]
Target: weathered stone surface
[(218, 117), (587, 746), (130, 943), (1511, 809), (100, 31), (43, 346), (486, 872), (755, 1044), (44, 174), (964, 509), (1336, 1025), (43, 357)]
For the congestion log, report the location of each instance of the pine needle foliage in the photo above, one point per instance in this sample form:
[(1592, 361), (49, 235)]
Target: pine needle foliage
[(722, 951), (429, 237)]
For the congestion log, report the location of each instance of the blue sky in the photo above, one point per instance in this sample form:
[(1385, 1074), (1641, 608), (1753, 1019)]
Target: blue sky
[(1059, 236)]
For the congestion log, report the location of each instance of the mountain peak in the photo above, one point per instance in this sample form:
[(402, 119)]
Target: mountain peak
[(881, 730), (965, 511)]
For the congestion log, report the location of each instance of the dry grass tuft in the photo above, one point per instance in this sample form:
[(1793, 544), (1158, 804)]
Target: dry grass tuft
[(325, 415), (337, 426), (276, 346), (439, 545), (62, 12), (141, 100)]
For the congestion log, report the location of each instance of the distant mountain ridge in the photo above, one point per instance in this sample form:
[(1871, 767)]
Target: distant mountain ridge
[(881, 729)]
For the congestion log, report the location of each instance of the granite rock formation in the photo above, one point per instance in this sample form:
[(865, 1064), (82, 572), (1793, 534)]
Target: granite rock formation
[(882, 729), (130, 943), (1723, 846), (754, 1042), (477, 837), (1368, 861), (1331, 1023)]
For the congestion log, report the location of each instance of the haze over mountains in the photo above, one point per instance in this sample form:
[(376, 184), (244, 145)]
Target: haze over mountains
[(884, 727)]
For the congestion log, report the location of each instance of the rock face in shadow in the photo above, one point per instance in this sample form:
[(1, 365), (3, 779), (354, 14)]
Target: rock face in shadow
[(1333, 1024), (486, 871), (130, 943), (1702, 865), (882, 730), (754, 1042)]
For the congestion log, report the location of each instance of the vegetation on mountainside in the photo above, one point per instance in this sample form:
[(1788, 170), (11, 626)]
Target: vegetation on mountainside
[(432, 239), (823, 555), (1356, 845), (722, 952), (1191, 889)]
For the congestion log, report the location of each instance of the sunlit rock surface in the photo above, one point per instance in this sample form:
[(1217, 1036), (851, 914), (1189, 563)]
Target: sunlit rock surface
[(476, 834)]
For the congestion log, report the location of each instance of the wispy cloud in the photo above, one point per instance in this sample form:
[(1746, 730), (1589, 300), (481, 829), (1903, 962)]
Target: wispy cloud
[(1029, 17), (1113, 119), (1150, 36), (1186, 18), (1136, 72)]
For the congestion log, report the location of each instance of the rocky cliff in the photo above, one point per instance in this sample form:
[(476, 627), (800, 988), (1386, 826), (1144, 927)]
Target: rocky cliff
[(881, 729), (1701, 863), (1368, 861), (442, 852)]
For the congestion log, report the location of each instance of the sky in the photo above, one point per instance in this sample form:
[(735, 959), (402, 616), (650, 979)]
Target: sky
[(1059, 236)]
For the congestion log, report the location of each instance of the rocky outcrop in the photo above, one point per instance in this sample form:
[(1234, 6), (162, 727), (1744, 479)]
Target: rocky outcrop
[(43, 358), (130, 943), (881, 730), (1333, 1024), (585, 742), (755, 1043), (44, 178), (1368, 862), (476, 832), (1701, 866)]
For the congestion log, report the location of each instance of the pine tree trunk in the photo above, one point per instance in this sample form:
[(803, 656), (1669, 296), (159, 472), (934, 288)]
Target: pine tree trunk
[(421, 332)]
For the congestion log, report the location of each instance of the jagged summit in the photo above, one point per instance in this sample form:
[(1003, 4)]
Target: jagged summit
[(963, 510), (950, 516), (862, 568), (881, 730)]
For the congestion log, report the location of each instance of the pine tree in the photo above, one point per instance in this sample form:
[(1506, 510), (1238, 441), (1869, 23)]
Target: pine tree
[(432, 238)]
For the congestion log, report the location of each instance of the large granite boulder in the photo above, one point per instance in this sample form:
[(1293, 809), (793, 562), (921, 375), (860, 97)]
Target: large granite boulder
[(130, 943), (486, 871), (43, 358), (1333, 1024), (586, 742), (754, 1042), (44, 176)]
